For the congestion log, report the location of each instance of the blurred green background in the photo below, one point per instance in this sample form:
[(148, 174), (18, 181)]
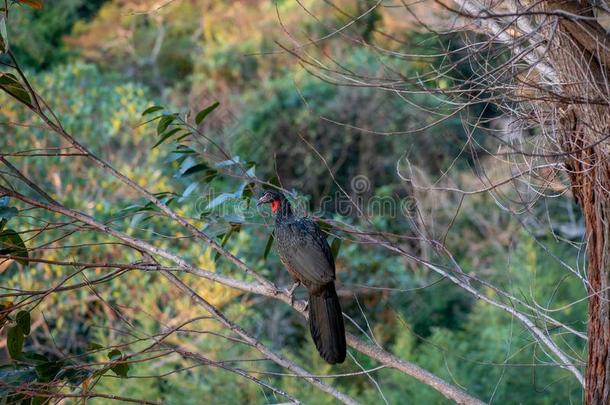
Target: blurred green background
[(101, 63)]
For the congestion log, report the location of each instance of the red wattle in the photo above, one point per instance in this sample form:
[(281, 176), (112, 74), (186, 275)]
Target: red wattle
[(275, 205)]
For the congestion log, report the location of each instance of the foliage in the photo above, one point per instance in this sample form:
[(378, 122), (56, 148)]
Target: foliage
[(163, 128), (41, 45)]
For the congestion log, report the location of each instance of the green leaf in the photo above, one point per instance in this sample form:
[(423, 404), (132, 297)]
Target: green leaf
[(24, 320), (172, 131), (188, 191), (335, 246), (12, 244), (221, 199), (3, 35), (152, 109), (210, 175), (204, 113), (165, 137), (47, 371), (275, 181), (120, 369), (181, 137), (94, 346), (248, 191), (35, 358), (165, 122), (115, 354), (235, 160), (224, 241), (268, 245), (149, 121), (8, 212), (10, 84), (196, 168), (324, 226), (183, 149), (14, 341)]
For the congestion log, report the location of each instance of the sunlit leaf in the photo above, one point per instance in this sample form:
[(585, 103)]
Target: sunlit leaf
[(229, 162), (37, 4), (220, 199), (149, 121), (181, 137), (166, 136), (233, 218), (3, 35), (165, 122), (12, 244), (10, 84), (151, 110), (189, 190), (204, 113)]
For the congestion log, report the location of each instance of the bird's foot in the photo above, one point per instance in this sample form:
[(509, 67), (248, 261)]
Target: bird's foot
[(291, 291)]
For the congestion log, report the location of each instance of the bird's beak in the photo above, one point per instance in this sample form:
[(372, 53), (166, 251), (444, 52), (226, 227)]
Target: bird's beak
[(263, 200)]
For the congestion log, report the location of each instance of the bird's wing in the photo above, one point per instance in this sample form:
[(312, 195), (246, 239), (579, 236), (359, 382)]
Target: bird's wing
[(312, 257)]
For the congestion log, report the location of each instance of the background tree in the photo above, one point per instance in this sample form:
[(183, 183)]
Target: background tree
[(472, 272)]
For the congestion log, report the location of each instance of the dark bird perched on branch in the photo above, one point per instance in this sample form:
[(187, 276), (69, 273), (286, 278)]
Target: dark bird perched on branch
[(303, 249)]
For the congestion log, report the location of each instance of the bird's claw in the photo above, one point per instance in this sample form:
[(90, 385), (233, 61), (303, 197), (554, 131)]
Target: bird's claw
[(291, 292)]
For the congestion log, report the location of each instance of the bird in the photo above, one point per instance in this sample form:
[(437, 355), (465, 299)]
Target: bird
[(304, 251)]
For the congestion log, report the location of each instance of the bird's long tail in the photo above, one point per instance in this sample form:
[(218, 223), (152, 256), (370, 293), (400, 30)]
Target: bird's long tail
[(326, 323)]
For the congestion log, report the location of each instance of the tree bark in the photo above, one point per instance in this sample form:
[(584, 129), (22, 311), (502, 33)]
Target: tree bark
[(579, 53)]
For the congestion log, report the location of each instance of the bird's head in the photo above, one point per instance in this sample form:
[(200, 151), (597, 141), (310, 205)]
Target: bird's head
[(273, 197)]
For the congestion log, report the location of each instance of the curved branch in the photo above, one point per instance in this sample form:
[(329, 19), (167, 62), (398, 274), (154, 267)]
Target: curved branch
[(443, 387)]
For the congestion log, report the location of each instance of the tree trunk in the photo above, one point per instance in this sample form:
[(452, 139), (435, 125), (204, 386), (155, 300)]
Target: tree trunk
[(580, 56), (590, 173)]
